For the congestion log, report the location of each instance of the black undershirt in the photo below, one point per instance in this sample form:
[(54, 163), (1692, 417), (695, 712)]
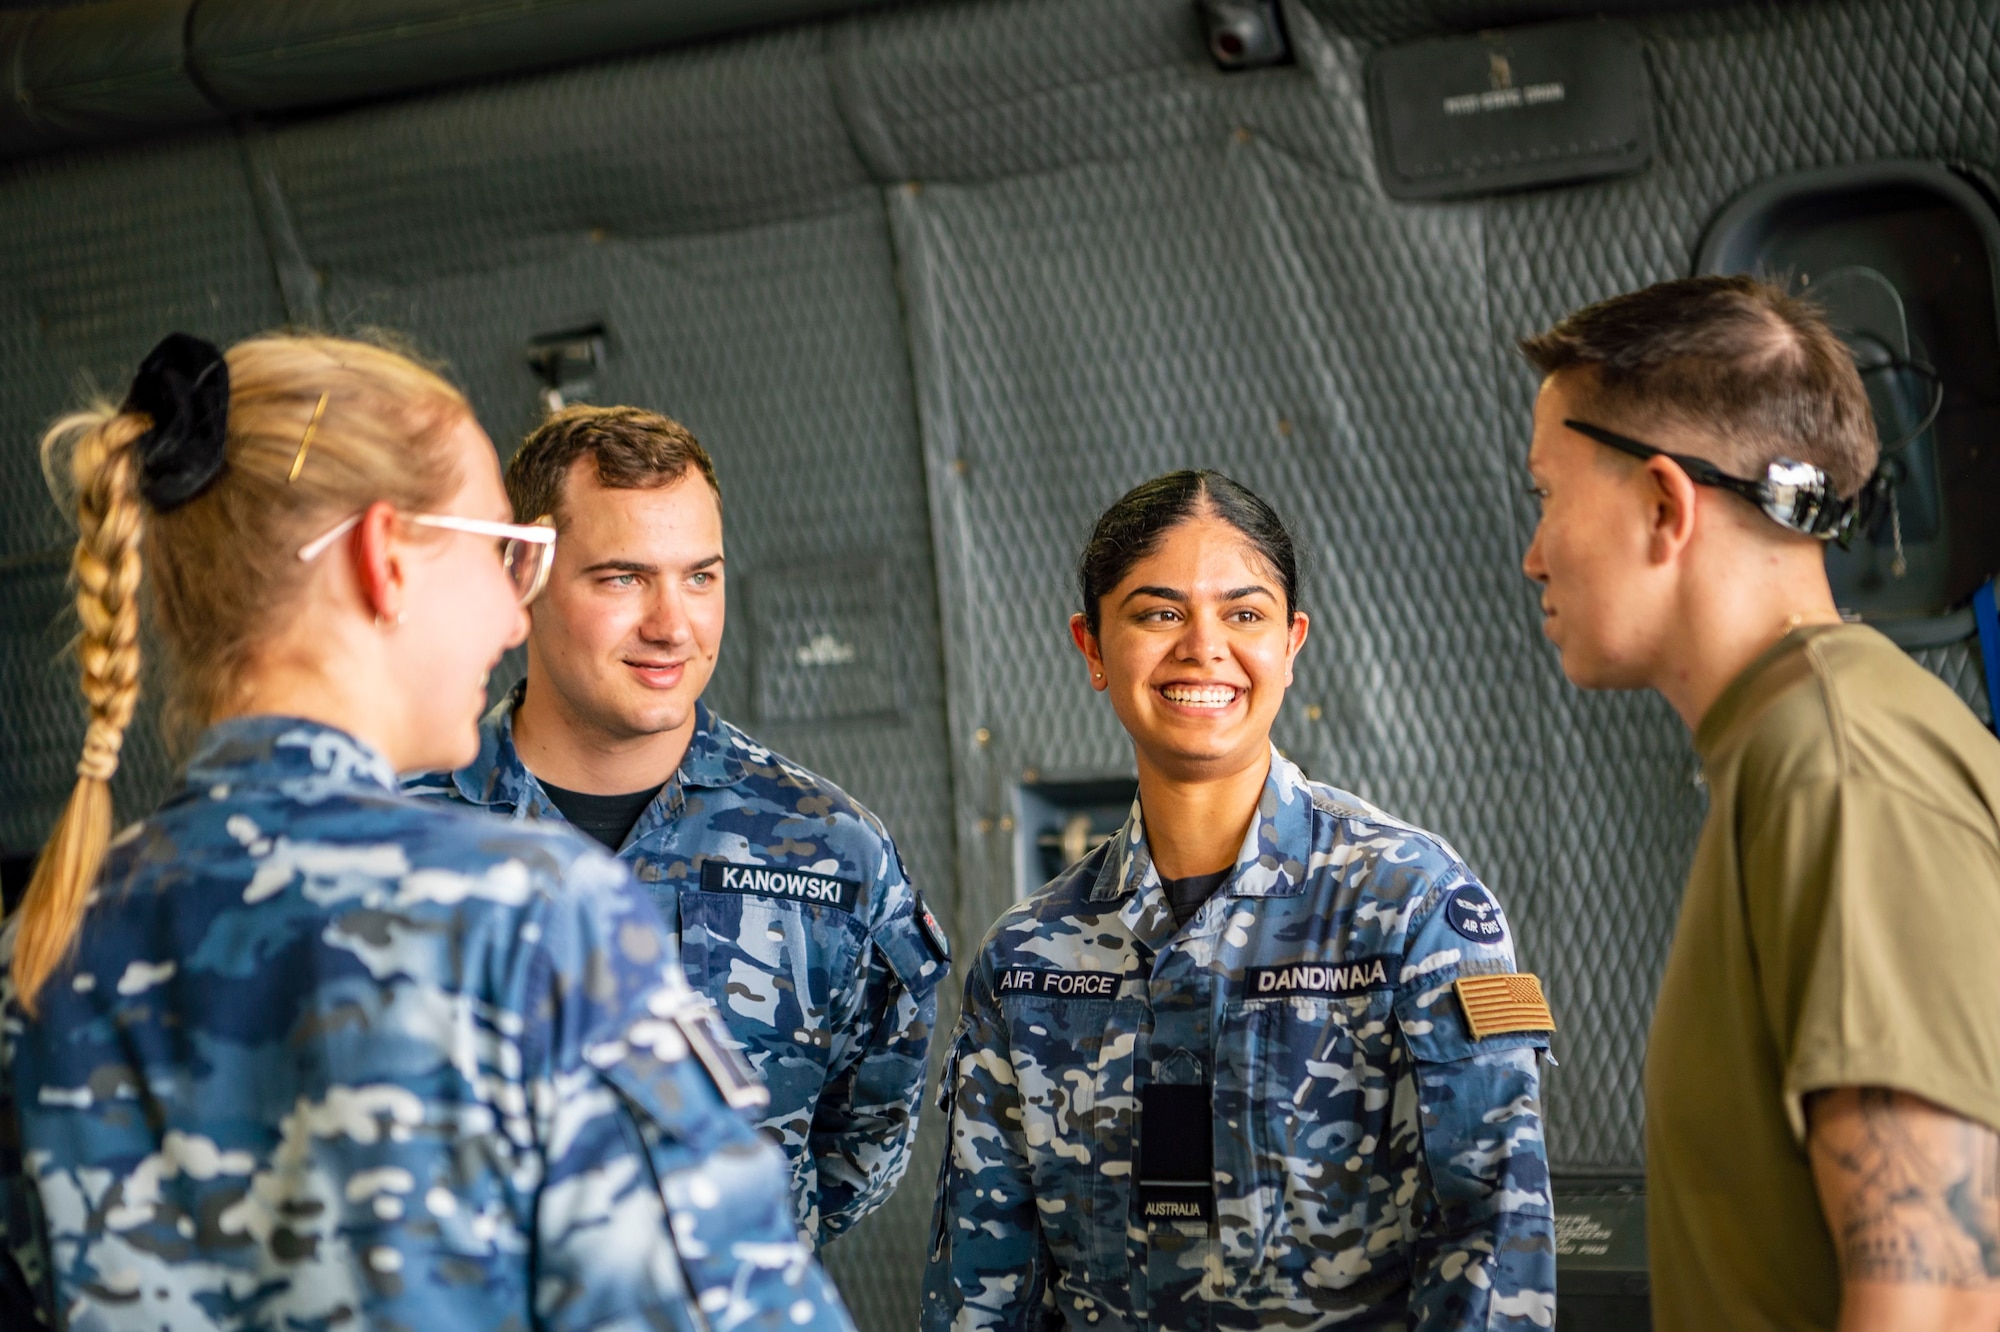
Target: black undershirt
[(1185, 896), (608, 818)]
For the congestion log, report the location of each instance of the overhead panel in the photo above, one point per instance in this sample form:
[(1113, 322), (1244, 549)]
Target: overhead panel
[(126, 69)]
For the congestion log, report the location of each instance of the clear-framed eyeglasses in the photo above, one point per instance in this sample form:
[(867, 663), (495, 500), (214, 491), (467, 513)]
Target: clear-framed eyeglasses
[(527, 551)]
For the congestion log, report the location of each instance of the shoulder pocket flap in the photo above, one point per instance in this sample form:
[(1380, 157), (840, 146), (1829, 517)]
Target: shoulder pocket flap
[(903, 945)]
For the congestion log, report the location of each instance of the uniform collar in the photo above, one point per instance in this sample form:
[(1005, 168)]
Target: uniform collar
[(714, 759), (311, 759), (1767, 675), (716, 754), (1266, 865)]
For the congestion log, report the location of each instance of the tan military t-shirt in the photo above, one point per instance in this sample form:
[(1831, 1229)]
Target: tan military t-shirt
[(1841, 927)]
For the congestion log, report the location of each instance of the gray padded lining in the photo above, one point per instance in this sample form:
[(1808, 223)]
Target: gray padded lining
[(109, 251)]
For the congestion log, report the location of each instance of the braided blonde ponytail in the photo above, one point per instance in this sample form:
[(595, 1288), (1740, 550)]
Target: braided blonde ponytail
[(221, 556), (105, 569)]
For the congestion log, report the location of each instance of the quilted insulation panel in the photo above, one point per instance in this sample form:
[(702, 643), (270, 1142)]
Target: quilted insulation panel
[(937, 284), (1183, 268)]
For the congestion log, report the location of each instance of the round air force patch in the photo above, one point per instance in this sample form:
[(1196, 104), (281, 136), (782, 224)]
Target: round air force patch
[(1474, 914)]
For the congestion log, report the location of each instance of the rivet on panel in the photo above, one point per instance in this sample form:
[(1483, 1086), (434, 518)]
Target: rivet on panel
[(1031, 775), (1242, 134), (1313, 712), (985, 825), (597, 235), (1285, 426), (981, 736), (960, 466), (1006, 825)]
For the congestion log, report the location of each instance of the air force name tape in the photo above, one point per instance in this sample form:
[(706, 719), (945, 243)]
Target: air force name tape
[(1503, 1002), (787, 884), (1057, 984), (1333, 980)]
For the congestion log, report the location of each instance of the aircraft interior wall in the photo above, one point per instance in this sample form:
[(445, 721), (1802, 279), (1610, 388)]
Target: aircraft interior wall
[(936, 284)]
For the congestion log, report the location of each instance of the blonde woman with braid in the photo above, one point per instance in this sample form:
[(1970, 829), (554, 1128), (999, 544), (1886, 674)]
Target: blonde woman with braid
[(296, 1051)]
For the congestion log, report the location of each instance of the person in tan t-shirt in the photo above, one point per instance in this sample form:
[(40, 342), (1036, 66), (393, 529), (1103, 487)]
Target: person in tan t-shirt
[(1823, 1074)]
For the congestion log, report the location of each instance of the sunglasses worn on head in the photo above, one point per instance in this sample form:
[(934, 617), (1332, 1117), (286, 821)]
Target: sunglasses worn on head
[(526, 552), (1797, 496)]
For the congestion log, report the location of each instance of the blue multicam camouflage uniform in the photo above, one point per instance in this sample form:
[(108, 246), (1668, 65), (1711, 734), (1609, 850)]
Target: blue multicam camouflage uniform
[(1373, 1165), (329, 1057), (795, 917)]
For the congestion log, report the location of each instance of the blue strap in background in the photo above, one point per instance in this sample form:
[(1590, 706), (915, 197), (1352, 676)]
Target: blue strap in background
[(1987, 617)]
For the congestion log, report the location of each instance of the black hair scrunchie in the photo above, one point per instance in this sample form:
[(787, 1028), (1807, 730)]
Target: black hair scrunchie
[(183, 384)]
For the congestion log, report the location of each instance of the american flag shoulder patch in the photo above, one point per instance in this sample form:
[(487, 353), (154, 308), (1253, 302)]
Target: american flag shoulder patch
[(1504, 1002)]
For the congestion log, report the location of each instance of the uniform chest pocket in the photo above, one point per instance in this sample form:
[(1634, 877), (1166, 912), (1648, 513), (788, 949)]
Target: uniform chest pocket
[(1303, 1085), (782, 973), (1073, 1063)]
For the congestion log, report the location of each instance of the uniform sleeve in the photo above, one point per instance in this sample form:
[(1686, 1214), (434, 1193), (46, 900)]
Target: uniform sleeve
[(1876, 921), (24, 1296), (655, 1194), (989, 1266), (1484, 1250), (866, 1118)]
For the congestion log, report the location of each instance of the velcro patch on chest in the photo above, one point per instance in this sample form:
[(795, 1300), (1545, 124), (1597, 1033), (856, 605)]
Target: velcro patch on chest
[(718, 1053), (1046, 981), (1322, 980), (1176, 1154), (1503, 1002), (787, 884)]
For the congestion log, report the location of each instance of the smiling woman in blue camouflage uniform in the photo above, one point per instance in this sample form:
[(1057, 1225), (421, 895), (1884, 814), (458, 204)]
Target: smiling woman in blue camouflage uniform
[(1262, 1059), (300, 1052)]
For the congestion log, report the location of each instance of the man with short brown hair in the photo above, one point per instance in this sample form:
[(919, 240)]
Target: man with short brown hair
[(633, 449), (1823, 1074), (789, 899)]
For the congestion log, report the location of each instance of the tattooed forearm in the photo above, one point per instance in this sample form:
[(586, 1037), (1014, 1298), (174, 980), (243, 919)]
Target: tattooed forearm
[(1911, 1191)]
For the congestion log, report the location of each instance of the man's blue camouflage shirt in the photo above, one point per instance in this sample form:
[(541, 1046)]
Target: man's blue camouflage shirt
[(796, 918), (1372, 1164), (330, 1057)]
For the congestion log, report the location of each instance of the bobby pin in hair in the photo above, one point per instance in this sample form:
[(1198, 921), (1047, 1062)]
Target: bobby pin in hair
[(299, 462)]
